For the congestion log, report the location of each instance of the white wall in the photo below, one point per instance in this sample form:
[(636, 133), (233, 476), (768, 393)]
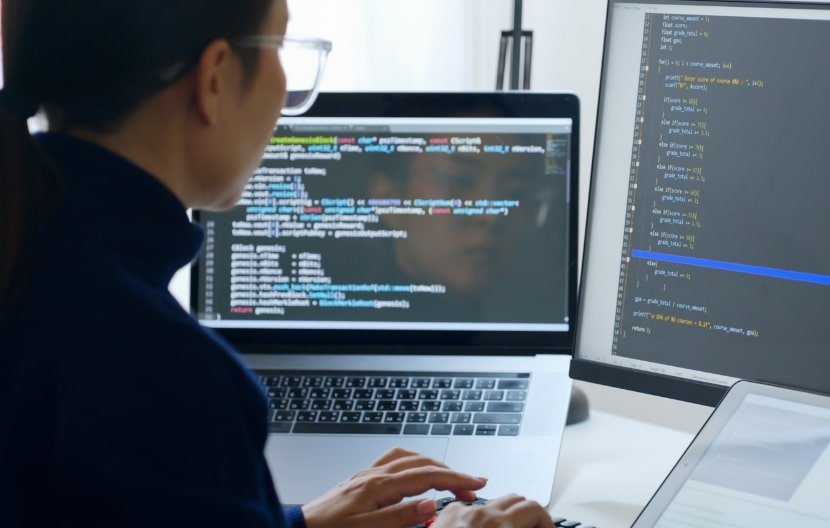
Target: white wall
[(452, 45)]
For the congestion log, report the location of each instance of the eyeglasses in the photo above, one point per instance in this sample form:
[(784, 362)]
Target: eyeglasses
[(302, 59)]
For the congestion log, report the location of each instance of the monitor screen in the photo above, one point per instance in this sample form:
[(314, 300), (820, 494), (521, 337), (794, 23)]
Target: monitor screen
[(401, 223), (707, 258)]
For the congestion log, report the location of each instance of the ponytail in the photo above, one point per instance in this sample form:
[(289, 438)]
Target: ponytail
[(23, 193)]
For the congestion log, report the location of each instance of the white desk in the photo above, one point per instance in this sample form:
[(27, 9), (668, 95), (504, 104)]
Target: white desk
[(610, 465)]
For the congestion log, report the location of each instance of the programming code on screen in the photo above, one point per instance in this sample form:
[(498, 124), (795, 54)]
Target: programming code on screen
[(725, 243), (380, 225)]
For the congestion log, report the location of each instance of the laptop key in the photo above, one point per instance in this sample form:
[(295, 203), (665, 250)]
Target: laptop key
[(494, 395), (291, 381), (394, 417), (497, 418), (377, 382), (441, 429), (508, 430), (485, 383), (442, 383), (355, 382), (406, 394), (452, 406), (416, 429), (463, 429), (319, 393), (343, 405), (348, 428), (450, 394), (430, 406), (473, 406), (461, 417), (387, 405), (372, 417), (486, 430), (439, 417), (364, 394), (385, 394), (321, 405), (313, 381), (513, 384), (364, 405), (279, 427), (399, 383), (510, 407), (334, 383), (516, 395), (283, 416), (329, 416)]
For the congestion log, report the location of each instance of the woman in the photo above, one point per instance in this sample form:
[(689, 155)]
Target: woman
[(116, 407)]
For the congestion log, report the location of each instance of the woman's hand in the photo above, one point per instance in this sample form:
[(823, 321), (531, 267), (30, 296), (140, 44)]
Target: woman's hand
[(373, 496), (510, 511)]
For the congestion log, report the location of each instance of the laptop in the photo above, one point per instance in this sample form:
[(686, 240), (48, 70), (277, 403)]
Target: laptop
[(761, 459), (401, 270)]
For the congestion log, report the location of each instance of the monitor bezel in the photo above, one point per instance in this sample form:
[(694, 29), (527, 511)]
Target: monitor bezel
[(432, 104)]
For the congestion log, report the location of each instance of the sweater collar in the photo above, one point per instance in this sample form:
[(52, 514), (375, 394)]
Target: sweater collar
[(124, 207)]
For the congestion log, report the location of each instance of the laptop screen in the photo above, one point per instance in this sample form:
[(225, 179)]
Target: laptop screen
[(407, 216), (763, 458)]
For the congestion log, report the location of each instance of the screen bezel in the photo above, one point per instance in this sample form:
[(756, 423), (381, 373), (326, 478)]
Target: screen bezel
[(433, 104)]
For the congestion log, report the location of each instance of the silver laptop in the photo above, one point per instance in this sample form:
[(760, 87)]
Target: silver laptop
[(401, 271), (762, 459)]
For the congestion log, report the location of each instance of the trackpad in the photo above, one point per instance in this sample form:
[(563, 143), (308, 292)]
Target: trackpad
[(305, 467)]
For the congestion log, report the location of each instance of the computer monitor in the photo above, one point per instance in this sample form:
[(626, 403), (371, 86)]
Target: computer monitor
[(707, 254)]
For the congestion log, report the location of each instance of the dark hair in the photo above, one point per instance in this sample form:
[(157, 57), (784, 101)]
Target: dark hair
[(90, 63)]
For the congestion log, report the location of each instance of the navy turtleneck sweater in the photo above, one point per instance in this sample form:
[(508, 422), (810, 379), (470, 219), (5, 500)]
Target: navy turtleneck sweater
[(116, 407)]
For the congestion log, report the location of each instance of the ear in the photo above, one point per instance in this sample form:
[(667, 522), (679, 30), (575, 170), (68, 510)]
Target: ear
[(381, 185), (213, 80)]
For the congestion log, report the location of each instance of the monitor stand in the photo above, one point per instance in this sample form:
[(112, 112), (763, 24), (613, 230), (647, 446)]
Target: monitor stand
[(578, 407)]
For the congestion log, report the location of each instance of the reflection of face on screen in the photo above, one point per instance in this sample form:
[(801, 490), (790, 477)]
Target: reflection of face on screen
[(465, 252)]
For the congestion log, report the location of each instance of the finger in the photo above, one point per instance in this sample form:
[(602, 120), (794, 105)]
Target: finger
[(505, 501), (401, 515), (405, 460), (530, 514), (464, 495), (415, 481), (393, 454)]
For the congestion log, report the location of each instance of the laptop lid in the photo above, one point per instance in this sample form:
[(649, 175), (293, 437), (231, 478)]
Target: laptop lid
[(405, 222), (762, 458)]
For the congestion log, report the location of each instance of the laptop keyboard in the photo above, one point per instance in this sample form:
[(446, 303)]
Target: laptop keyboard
[(434, 403)]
